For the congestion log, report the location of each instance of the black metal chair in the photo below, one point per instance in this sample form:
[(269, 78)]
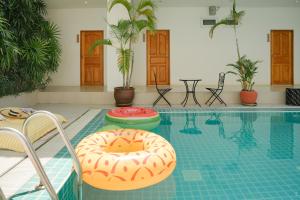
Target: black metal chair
[(216, 92), (161, 92)]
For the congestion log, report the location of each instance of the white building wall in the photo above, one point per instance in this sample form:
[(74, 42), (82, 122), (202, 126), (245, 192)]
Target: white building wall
[(71, 22), (193, 53)]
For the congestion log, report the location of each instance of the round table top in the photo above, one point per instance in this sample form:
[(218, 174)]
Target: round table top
[(190, 79)]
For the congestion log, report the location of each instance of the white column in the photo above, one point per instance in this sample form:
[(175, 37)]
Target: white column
[(113, 76)]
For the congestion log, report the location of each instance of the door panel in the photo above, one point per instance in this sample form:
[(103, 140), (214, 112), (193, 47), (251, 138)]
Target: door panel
[(91, 64), (158, 57), (282, 57)]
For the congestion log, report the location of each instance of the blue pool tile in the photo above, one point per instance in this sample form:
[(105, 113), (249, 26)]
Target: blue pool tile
[(244, 155)]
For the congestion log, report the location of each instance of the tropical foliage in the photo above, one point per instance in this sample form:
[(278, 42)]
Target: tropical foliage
[(234, 19), (8, 49), (244, 68), (29, 46), (141, 16)]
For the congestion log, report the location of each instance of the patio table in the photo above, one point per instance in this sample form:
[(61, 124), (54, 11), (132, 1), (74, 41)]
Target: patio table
[(190, 91)]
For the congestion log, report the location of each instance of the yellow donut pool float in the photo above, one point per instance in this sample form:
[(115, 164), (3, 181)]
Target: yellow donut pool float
[(125, 159)]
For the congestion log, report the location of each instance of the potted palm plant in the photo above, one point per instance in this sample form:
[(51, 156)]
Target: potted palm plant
[(244, 68), (141, 16)]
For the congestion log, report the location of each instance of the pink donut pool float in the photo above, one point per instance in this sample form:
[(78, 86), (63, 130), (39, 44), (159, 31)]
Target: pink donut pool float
[(133, 117)]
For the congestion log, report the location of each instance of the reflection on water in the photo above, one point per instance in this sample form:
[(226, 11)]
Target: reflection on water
[(292, 118), (244, 137), (190, 124), (216, 120), (165, 126), (282, 136), (281, 131), (165, 190), (165, 119)]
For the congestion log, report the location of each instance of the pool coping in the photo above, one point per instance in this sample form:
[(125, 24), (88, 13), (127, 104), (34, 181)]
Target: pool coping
[(25, 171), (41, 142)]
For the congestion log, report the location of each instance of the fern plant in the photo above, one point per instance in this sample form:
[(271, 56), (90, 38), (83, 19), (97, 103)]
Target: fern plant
[(244, 68), (141, 16), (34, 50)]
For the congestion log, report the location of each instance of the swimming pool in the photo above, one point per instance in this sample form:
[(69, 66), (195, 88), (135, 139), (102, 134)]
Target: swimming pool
[(226, 155), (221, 154)]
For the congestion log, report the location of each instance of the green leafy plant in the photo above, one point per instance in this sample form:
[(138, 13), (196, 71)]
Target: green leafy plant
[(244, 68), (8, 49), (141, 16), (29, 46), (234, 19)]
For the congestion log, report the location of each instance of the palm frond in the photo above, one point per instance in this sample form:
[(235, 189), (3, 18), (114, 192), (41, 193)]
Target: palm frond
[(51, 33), (124, 56), (40, 6), (142, 24), (245, 69), (99, 43), (126, 32), (232, 72), (125, 3), (148, 13), (241, 14), (222, 22), (35, 52), (146, 4), (237, 17), (50, 30), (121, 30), (234, 6), (8, 47), (234, 19)]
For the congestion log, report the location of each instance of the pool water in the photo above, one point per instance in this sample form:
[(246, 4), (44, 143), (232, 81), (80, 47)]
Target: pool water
[(225, 155)]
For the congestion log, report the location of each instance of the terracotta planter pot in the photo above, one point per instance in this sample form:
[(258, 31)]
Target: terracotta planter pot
[(248, 97), (124, 96)]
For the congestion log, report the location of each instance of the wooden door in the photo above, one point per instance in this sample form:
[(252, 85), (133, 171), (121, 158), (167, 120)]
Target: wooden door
[(91, 63), (282, 72), (158, 57)]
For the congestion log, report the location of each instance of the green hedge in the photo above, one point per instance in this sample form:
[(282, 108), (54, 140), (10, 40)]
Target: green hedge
[(29, 46)]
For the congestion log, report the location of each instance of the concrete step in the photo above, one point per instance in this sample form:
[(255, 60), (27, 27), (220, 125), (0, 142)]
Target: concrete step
[(147, 95)]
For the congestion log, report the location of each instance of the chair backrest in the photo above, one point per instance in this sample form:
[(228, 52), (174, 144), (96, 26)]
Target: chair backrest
[(221, 80), (155, 79)]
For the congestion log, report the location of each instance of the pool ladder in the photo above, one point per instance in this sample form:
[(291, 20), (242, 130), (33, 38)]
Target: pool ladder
[(44, 180)]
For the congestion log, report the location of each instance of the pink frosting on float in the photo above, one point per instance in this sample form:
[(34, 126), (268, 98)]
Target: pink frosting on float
[(127, 112)]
